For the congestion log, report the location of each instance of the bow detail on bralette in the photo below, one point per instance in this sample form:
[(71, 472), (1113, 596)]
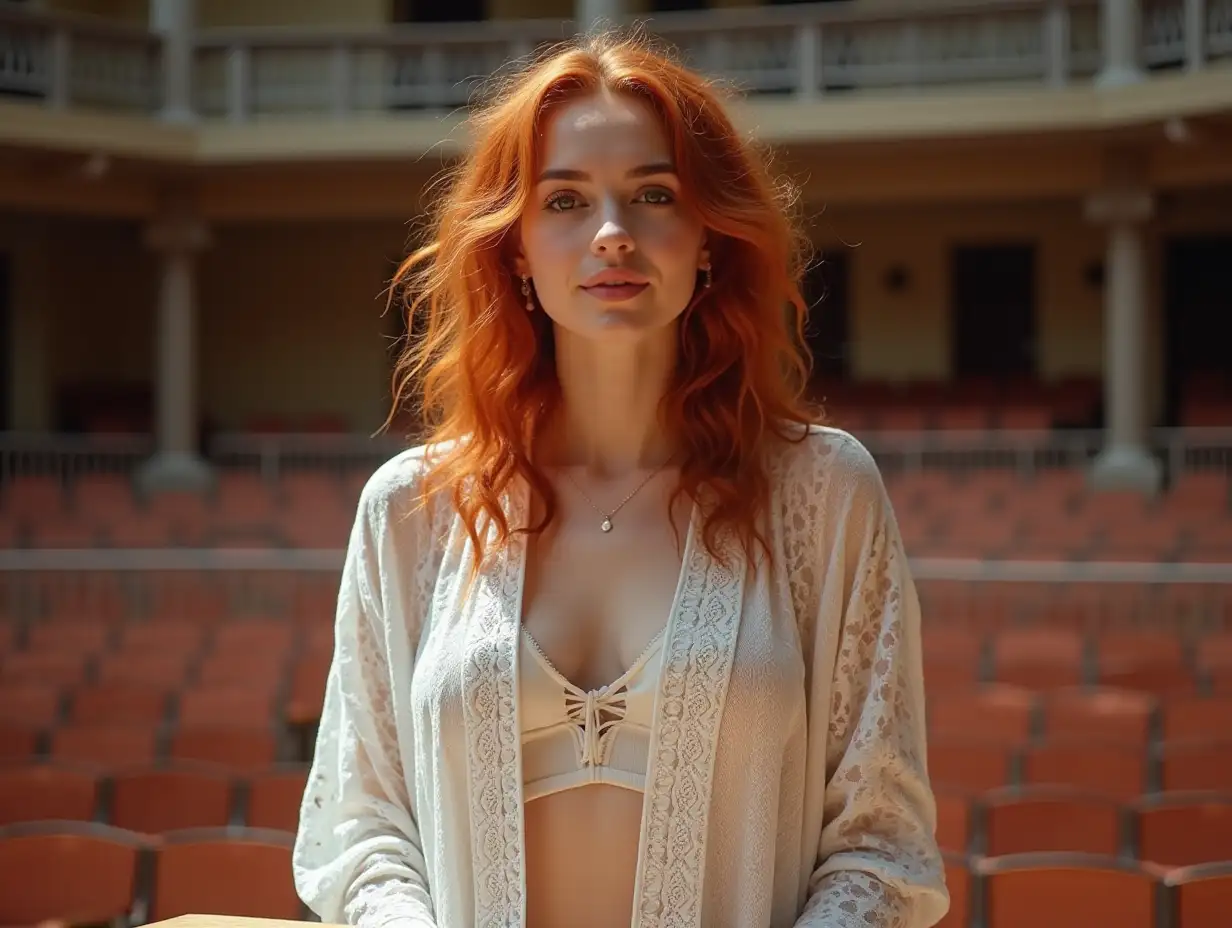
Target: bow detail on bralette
[(595, 713)]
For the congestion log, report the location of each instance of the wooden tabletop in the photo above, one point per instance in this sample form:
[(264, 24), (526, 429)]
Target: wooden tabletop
[(230, 921)]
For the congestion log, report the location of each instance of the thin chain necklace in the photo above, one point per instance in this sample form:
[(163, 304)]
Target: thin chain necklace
[(606, 524)]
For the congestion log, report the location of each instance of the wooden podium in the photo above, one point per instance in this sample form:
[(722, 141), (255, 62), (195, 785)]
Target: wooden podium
[(231, 921)]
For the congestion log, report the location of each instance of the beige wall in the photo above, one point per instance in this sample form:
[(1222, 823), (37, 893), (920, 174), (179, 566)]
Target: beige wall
[(291, 322), (905, 335)]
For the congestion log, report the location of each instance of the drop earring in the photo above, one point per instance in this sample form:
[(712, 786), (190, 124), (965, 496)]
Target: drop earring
[(708, 279), (530, 301)]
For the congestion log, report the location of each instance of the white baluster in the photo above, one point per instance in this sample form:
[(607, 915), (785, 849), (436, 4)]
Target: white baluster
[(1195, 34), (342, 69), (239, 82), (59, 77), (1056, 43), (808, 61)]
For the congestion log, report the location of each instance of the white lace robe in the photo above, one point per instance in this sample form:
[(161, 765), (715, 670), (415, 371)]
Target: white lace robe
[(786, 783)]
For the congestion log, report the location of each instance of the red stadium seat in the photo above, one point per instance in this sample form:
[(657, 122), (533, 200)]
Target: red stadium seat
[(225, 872), (153, 800), (1032, 819), (80, 873), (1182, 829), (274, 798), (1066, 891), (1201, 896), (32, 792)]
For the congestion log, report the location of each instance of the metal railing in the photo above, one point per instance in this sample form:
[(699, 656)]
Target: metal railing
[(69, 456), (1027, 452), (803, 51), (274, 454)]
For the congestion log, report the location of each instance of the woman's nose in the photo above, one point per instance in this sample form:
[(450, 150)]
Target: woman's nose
[(612, 238)]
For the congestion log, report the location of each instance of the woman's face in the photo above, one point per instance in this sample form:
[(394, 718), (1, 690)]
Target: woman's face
[(606, 238)]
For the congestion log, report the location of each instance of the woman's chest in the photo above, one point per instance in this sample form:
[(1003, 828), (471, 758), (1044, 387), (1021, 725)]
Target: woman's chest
[(594, 601), (725, 640)]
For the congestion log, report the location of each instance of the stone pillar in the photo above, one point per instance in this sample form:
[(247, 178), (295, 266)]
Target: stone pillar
[(597, 13), (175, 22), (1121, 34), (1125, 461), (177, 236)]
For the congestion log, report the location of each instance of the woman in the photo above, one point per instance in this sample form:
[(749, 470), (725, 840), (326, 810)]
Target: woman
[(630, 640)]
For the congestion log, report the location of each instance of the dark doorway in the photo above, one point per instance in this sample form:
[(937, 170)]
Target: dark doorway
[(826, 330), (1198, 321), (6, 340), (669, 6), (994, 311)]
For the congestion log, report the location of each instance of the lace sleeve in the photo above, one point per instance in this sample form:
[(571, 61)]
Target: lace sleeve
[(358, 857), (878, 862)]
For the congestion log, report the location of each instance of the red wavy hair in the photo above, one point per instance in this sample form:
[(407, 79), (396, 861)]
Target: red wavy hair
[(486, 367)]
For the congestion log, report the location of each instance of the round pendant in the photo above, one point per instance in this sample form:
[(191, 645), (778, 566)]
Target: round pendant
[(606, 525)]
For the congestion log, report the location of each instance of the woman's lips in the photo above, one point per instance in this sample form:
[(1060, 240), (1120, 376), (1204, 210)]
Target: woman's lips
[(615, 293)]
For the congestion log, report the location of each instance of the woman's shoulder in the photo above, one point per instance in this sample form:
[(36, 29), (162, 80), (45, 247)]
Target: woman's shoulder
[(824, 460), (396, 487)]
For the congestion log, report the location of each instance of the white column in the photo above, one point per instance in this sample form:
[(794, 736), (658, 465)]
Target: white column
[(177, 236), (1121, 33), (592, 13), (1125, 462), (175, 22)]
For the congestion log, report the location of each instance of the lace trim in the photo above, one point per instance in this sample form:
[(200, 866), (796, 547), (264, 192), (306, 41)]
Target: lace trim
[(697, 669), (489, 686)]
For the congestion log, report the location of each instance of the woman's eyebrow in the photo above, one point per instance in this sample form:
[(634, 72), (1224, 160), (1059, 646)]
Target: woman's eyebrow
[(645, 170)]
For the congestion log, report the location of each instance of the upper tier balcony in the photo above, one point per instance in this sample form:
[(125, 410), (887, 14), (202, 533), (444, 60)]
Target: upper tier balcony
[(1052, 57)]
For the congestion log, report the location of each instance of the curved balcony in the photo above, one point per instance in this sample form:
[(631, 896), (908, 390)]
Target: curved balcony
[(799, 52)]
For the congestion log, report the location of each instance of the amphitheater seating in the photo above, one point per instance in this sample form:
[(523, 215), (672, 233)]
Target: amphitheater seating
[(1080, 739), (84, 873), (983, 513)]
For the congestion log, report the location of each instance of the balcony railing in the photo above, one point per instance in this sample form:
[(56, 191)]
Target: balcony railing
[(68, 60), (802, 51), (1026, 452)]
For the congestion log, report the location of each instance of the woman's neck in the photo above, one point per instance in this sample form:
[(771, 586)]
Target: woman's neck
[(609, 420)]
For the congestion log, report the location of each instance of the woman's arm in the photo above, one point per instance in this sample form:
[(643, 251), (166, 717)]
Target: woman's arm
[(358, 857), (878, 865)]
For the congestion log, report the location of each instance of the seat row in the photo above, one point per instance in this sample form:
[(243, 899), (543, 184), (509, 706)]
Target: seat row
[(1084, 891), (153, 799), (1017, 715), (1168, 829), (240, 747), (85, 873), (245, 872), (973, 765), (1091, 606)]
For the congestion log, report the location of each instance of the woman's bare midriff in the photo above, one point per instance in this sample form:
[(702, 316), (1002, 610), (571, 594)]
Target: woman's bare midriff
[(581, 857)]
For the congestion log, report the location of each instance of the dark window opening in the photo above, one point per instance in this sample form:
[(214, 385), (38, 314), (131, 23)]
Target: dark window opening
[(993, 322)]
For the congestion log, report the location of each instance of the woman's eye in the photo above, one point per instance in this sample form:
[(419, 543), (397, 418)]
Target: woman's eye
[(563, 201), (657, 196)]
